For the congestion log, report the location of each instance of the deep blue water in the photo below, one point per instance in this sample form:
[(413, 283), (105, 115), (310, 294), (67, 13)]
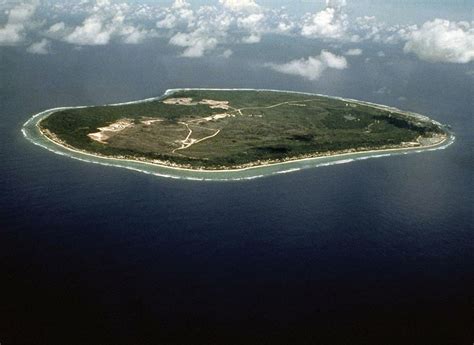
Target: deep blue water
[(374, 252)]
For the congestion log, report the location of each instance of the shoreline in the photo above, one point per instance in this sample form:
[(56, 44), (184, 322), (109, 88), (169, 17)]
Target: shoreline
[(256, 166), (253, 166)]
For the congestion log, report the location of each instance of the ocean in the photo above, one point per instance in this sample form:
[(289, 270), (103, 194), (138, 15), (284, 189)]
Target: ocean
[(376, 251)]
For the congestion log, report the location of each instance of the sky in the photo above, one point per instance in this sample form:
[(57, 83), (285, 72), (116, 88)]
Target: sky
[(432, 31)]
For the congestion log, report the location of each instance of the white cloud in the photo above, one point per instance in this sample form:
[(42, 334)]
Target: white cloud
[(285, 26), (330, 23), (18, 20), (58, 27), (251, 22), (180, 13), (57, 31), (133, 35), (107, 21), (196, 43), (353, 52), (251, 39), (333, 61), (41, 47), (338, 4), (202, 29), (180, 4), (91, 32), (167, 22), (442, 41), (368, 28), (209, 29), (312, 67), (240, 5), (227, 53)]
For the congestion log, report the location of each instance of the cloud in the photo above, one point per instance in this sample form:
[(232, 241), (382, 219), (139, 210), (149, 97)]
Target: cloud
[(18, 20), (368, 28), (240, 5), (330, 23), (338, 4), (201, 29), (198, 31), (107, 21), (212, 26), (180, 4), (353, 52), (167, 22), (41, 47), (227, 53), (179, 13), (58, 27), (312, 67), (251, 22), (333, 61), (285, 26), (196, 43), (442, 41), (251, 39), (93, 31)]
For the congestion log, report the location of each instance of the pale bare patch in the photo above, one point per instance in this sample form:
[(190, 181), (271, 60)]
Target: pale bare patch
[(212, 118), (433, 140), (215, 104), (179, 101), (189, 101), (149, 122), (106, 132)]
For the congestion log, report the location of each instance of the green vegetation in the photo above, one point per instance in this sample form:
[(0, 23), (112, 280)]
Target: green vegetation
[(258, 125)]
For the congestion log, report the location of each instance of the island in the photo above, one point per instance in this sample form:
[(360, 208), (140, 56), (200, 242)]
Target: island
[(233, 134), (212, 129)]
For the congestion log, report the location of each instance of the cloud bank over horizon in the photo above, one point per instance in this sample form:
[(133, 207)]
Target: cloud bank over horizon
[(216, 28)]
